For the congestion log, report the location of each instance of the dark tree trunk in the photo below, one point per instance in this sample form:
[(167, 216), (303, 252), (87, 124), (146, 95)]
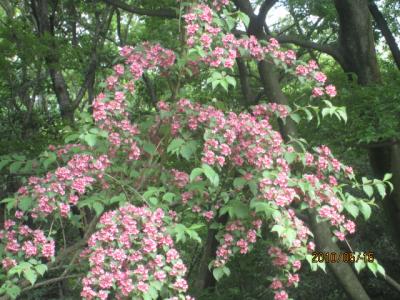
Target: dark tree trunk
[(40, 10), (356, 41), (204, 278)]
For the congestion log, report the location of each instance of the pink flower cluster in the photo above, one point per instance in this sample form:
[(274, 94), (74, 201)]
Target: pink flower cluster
[(22, 243), (236, 237), (131, 253), (221, 49), (60, 189)]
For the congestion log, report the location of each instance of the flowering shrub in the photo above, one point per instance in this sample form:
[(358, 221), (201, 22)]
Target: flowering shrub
[(230, 165), (132, 251)]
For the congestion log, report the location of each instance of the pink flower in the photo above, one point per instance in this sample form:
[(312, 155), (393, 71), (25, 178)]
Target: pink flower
[(320, 77), (339, 235), (48, 249), (106, 280), (350, 226), (317, 92), (276, 284), (330, 90), (181, 285), (143, 287), (281, 295), (208, 215)]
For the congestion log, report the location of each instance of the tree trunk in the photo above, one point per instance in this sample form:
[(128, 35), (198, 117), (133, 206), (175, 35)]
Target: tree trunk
[(40, 10), (356, 41)]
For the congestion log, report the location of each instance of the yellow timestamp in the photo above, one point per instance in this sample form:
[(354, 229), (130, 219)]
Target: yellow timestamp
[(345, 257)]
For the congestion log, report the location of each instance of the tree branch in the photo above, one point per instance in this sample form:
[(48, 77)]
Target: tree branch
[(163, 13), (50, 281), (329, 49), (384, 28)]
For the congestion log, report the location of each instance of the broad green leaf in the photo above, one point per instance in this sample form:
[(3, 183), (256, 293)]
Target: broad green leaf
[(373, 266), (117, 199), (387, 176), (175, 145), (368, 190), (352, 209), (30, 275), (278, 229), (218, 273), (381, 189), (365, 210), (90, 139), (13, 291), (188, 149), (41, 269), (25, 203), (359, 265), (295, 117), (98, 208), (168, 197), (195, 172), (211, 175)]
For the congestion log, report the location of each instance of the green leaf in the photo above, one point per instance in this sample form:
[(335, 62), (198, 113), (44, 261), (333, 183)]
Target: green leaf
[(90, 139), (290, 235), (15, 166), (13, 291), (168, 197), (52, 157), (342, 112), (295, 117), (30, 275), (150, 148), (278, 229), (195, 172), (373, 266), (10, 203), (231, 80), (188, 149), (387, 176), (193, 235), (245, 19), (352, 209), (239, 182), (175, 144), (218, 273), (308, 115), (368, 190), (211, 175), (359, 265), (71, 137), (41, 269), (117, 199), (381, 189), (3, 163), (153, 201), (365, 210), (98, 208), (381, 270), (25, 203), (290, 157)]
